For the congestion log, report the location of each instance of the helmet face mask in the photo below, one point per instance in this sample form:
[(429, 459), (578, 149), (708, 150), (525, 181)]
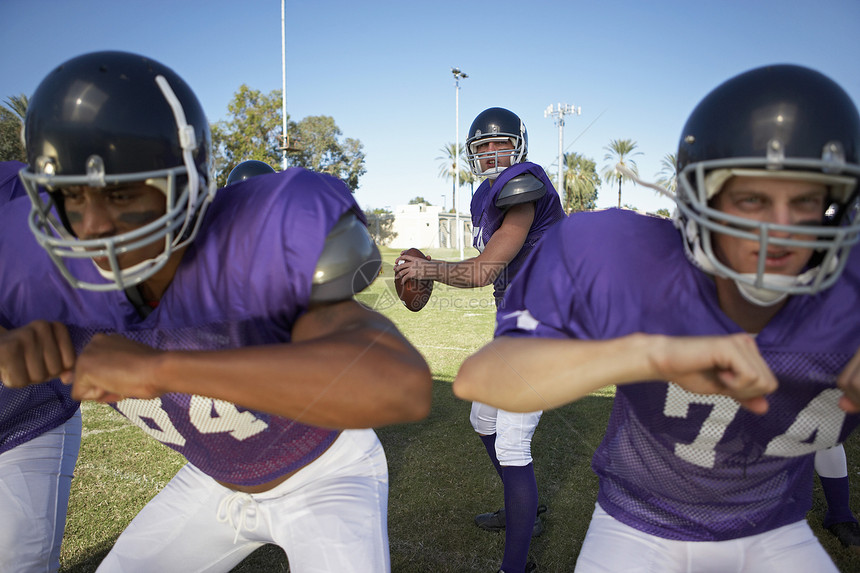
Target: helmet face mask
[(496, 124), (113, 118), (798, 125), (52, 230)]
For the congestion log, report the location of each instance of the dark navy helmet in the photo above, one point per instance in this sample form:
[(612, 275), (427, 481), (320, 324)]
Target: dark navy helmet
[(247, 169), (780, 121), (114, 118), (494, 124)]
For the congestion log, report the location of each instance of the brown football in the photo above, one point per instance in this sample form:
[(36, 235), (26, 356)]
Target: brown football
[(413, 293)]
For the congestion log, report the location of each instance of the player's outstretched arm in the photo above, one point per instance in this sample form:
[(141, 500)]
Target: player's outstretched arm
[(35, 353), (347, 367), (478, 271), (849, 383), (528, 374)]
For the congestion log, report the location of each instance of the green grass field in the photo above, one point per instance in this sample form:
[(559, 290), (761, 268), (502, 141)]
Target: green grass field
[(440, 475)]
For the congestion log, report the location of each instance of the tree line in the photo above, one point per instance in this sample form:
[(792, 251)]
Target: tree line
[(254, 130)]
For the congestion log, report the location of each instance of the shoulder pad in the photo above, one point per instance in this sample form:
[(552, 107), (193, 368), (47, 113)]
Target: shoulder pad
[(523, 188), (349, 262)]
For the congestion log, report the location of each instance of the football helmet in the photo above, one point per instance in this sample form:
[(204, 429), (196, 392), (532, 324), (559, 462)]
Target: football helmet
[(247, 169), (108, 118), (496, 123), (781, 121)]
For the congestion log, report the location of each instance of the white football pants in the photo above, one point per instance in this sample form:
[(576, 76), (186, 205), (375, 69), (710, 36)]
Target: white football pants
[(331, 515), (35, 481), (612, 546), (513, 431)]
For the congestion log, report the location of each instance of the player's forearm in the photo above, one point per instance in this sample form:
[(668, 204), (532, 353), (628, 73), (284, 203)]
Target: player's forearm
[(528, 374), (339, 382), (470, 273)]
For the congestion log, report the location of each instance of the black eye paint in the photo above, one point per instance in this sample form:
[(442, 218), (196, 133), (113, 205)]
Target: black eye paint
[(138, 219)]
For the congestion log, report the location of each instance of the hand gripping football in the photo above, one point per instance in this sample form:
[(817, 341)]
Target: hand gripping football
[(413, 293)]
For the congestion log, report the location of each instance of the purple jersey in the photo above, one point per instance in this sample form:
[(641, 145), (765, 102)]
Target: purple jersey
[(487, 218), (672, 463), (244, 281), (27, 412), (10, 184)]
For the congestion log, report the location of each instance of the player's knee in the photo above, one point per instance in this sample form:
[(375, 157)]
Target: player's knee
[(483, 418)]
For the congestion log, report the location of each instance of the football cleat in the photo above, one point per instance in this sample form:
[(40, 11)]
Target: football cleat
[(848, 534), (531, 566), (495, 521)]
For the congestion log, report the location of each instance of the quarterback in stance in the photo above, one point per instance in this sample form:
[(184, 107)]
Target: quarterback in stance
[(223, 325), (731, 335), (511, 210)]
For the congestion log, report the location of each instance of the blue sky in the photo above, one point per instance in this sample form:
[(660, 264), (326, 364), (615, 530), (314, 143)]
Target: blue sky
[(382, 69)]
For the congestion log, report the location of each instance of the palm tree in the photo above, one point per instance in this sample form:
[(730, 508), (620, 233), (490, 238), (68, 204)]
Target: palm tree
[(620, 151), (448, 167), (18, 105), (668, 176), (580, 183)]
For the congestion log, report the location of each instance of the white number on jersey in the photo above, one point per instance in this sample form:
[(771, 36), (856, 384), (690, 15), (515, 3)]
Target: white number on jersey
[(207, 415), (137, 410), (815, 428), (702, 450), (476, 234), (212, 416)]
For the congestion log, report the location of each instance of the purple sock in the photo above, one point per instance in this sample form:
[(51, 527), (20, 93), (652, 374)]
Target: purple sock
[(837, 494), (490, 445), (521, 502)]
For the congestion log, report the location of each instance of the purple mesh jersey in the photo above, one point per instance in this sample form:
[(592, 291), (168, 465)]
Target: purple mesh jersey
[(10, 184), (244, 281), (672, 463), (27, 412), (487, 218)]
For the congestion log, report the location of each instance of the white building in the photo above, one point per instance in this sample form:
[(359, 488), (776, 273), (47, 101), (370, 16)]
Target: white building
[(427, 227)]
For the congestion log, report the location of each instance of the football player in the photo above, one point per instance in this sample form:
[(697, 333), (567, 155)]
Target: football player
[(512, 208), (728, 334), (40, 436), (223, 325)]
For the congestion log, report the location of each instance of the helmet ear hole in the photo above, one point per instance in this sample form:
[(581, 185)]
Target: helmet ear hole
[(60, 205)]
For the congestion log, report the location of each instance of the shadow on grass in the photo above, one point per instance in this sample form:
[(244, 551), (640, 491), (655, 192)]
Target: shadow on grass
[(90, 562)]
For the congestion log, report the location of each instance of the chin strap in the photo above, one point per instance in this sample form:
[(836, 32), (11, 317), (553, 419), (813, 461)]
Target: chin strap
[(135, 298), (761, 296), (758, 295)]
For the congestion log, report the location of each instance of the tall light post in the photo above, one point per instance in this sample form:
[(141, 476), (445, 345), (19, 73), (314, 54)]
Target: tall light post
[(284, 90), (559, 112), (287, 147), (458, 75)]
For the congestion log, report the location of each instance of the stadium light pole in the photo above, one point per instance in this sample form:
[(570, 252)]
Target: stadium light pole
[(458, 75), (284, 89), (559, 112)]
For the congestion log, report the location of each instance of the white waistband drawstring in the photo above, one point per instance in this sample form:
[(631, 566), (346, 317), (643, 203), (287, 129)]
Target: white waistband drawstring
[(246, 504)]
